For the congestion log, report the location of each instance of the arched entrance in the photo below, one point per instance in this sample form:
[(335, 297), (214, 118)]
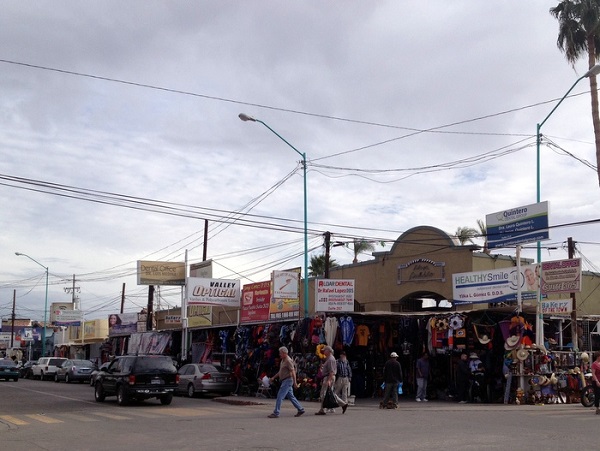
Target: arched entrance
[(422, 301)]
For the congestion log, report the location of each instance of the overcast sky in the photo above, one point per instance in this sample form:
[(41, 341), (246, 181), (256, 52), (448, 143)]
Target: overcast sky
[(385, 98)]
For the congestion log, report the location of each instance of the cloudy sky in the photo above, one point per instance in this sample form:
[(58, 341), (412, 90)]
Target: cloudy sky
[(119, 134)]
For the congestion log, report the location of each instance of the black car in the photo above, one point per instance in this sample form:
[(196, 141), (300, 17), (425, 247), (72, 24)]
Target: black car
[(9, 370), (137, 378), (25, 371)]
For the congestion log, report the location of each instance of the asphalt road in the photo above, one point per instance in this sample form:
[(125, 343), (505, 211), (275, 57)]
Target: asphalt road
[(36, 415)]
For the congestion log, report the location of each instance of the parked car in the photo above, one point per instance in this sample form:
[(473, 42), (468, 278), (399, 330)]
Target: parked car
[(205, 378), (94, 374), (137, 378), (46, 367), (74, 370), (9, 370), (25, 372)]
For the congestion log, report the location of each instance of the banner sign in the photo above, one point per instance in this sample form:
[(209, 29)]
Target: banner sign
[(519, 225), (160, 273), (68, 318), (199, 315), (255, 302), (173, 319), (285, 289), (286, 284), (213, 292), (561, 276), (498, 285), (560, 307), (122, 324), (334, 295)]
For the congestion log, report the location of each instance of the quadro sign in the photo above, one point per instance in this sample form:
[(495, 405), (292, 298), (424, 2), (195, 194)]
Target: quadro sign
[(519, 225)]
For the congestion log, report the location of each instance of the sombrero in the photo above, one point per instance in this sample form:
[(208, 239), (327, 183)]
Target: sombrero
[(553, 379), (441, 324), (522, 354), (512, 342), (544, 381), (585, 357), (484, 339)]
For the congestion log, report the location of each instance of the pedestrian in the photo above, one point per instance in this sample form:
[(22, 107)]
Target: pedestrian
[(343, 377), (392, 376), (596, 381), (329, 371), (463, 376), (287, 379), (422, 377)]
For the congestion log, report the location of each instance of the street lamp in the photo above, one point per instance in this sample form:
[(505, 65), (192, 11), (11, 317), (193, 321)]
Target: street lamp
[(593, 71), (245, 117), (19, 254)]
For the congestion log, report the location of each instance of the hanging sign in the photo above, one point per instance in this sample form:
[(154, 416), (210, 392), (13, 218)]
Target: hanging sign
[(561, 276)]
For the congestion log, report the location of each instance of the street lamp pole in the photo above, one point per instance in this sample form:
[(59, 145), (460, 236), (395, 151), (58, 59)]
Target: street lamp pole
[(245, 117), (593, 71), (19, 254)]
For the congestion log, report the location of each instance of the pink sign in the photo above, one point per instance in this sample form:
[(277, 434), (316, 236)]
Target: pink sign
[(255, 302)]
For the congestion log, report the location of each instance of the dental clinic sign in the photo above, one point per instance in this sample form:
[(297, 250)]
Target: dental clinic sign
[(519, 225), (334, 295)]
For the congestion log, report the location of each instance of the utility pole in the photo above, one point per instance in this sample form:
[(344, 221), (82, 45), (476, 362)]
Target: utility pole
[(205, 244), (327, 256), (150, 308), (123, 298), (12, 326), (574, 332), (74, 299)]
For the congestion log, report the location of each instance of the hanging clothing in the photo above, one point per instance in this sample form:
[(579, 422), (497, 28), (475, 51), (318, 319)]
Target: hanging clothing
[(347, 327)]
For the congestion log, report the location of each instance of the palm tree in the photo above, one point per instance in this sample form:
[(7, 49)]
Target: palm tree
[(360, 245), (465, 235), (317, 265), (483, 232), (578, 35)]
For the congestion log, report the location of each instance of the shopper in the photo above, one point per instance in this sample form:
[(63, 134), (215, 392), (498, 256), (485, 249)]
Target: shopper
[(596, 381), (463, 376), (343, 377), (329, 371), (392, 375), (422, 377), (287, 378)]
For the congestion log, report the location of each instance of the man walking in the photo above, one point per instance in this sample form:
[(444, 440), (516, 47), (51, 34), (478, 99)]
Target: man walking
[(422, 377), (328, 371), (343, 377), (392, 375), (287, 378)]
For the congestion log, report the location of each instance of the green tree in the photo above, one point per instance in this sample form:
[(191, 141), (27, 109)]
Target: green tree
[(360, 245), (579, 36), (465, 235), (483, 232), (317, 265)]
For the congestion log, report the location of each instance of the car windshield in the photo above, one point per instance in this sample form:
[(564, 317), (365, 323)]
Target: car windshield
[(56, 362), (159, 364), (83, 363), (7, 363)]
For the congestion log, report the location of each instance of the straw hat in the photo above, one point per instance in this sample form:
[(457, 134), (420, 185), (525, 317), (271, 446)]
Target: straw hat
[(512, 342), (522, 354)]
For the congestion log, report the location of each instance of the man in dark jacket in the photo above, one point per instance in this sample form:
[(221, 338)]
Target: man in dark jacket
[(392, 375)]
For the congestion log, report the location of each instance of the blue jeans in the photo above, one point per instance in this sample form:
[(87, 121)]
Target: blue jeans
[(286, 390)]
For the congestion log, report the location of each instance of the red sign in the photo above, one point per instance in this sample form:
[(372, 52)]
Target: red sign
[(255, 302)]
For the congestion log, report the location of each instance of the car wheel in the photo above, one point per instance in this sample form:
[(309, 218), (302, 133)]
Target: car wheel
[(56, 377), (121, 396), (42, 376), (67, 378), (16, 379), (191, 391), (165, 400), (92, 380), (99, 393)]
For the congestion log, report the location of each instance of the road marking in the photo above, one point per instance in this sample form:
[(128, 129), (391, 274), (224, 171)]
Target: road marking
[(110, 415), (80, 417), (182, 412), (44, 419), (144, 414), (13, 420)]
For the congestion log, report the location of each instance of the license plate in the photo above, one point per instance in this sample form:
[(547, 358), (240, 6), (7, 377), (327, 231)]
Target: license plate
[(156, 381), (219, 379)]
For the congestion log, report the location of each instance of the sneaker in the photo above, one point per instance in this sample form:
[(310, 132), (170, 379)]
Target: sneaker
[(425, 400), (462, 402), (300, 413), (418, 400), (273, 416), (320, 412), (330, 410)]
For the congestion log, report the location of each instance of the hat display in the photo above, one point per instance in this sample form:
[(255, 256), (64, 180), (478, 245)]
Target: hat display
[(553, 379), (543, 381), (456, 322), (522, 354), (393, 354), (512, 342), (473, 356), (484, 339), (441, 324), (585, 357)]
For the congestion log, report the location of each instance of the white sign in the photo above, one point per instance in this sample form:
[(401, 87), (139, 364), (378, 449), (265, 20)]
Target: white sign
[(285, 284), (561, 276), (334, 295), (68, 317), (498, 285), (560, 307), (213, 292), (27, 334)]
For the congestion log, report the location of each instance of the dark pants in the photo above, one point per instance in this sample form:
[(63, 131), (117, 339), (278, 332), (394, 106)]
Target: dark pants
[(462, 388), (596, 395)]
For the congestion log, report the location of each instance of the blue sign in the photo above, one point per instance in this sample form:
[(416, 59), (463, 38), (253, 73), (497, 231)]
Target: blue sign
[(519, 225)]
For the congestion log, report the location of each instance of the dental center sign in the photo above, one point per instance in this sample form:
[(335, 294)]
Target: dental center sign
[(519, 225), (498, 285), (334, 295)]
